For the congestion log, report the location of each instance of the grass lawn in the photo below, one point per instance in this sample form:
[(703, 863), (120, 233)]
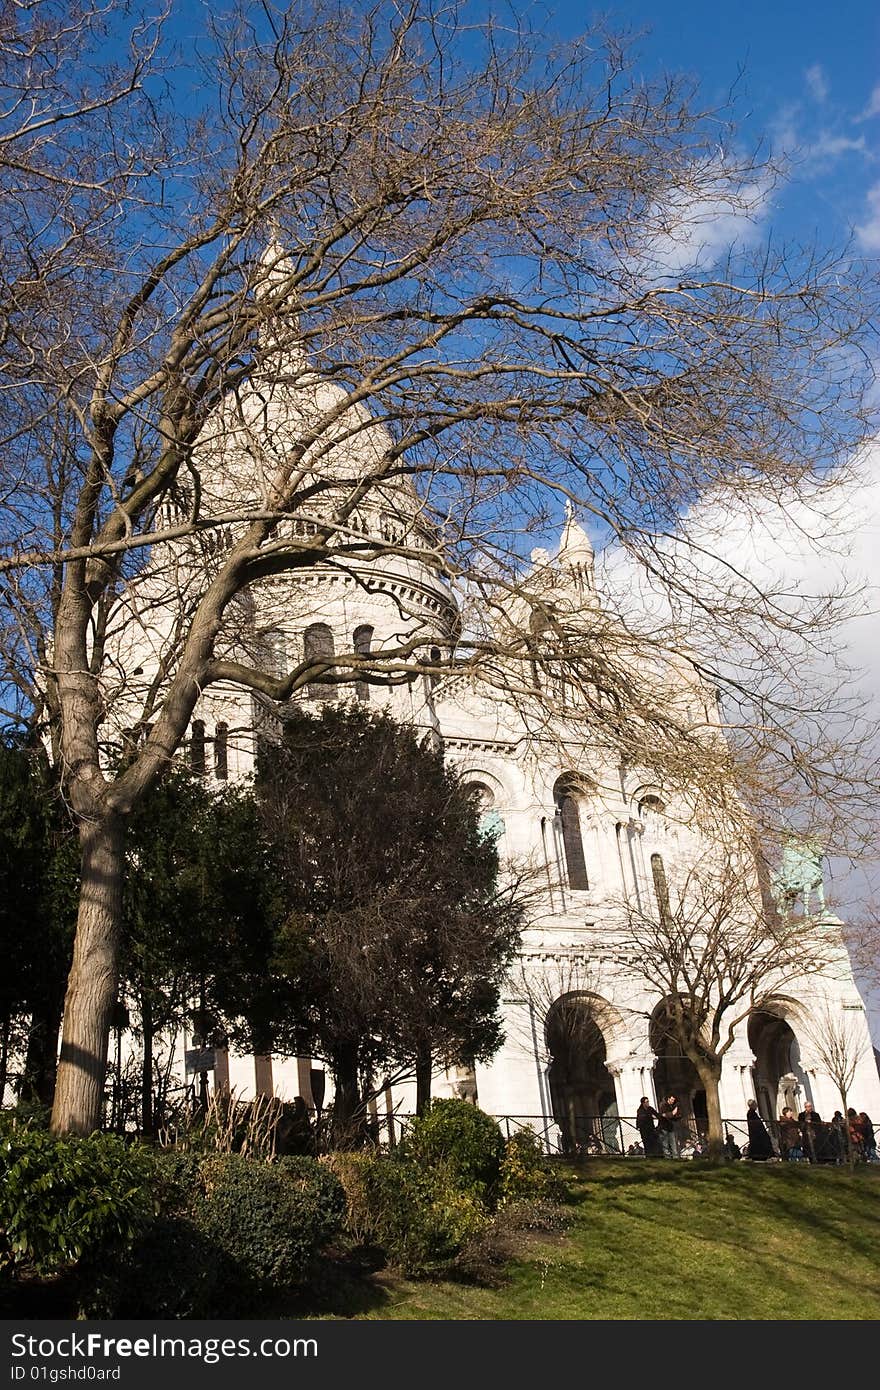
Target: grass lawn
[(679, 1240)]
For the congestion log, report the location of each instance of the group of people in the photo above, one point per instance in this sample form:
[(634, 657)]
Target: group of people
[(802, 1137), (806, 1137), (659, 1129)]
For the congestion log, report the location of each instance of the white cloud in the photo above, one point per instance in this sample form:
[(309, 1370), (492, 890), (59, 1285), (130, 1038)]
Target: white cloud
[(703, 219), (868, 232), (800, 552), (829, 147), (817, 82), (873, 107)]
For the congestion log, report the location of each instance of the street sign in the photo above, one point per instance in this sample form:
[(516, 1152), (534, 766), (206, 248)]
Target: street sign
[(200, 1058)]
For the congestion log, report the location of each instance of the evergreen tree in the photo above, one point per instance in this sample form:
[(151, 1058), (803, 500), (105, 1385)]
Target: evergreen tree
[(397, 935)]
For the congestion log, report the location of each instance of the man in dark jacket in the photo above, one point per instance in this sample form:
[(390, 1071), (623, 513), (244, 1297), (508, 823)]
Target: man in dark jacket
[(670, 1114), (810, 1122), (645, 1117)]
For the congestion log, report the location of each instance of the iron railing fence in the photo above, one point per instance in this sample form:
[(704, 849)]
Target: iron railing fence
[(613, 1136)]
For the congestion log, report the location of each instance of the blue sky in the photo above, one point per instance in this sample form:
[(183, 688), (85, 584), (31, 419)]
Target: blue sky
[(803, 76)]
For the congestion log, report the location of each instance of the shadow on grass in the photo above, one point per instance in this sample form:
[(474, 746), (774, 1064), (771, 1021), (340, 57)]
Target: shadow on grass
[(342, 1285), (804, 1229)]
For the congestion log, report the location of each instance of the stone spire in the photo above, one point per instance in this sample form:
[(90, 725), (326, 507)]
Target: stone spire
[(576, 555), (280, 326)]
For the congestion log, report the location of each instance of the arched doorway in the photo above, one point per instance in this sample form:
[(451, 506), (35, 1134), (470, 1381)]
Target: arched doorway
[(674, 1073), (779, 1078), (582, 1094)]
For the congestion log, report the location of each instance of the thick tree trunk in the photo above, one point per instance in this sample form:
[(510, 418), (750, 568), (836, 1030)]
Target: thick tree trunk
[(147, 1067), (91, 987), (346, 1094), (710, 1077), (424, 1061)]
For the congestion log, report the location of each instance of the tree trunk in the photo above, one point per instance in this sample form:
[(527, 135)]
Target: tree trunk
[(424, 1062), (710, 1077), (346, 1093), (91, 987), (147, 1067), (844, 1099), (4, 1057), (42, 1050)]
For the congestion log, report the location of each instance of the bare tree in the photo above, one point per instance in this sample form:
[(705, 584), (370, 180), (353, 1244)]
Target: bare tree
[(711, 951), (840, 1042), (343, 266)]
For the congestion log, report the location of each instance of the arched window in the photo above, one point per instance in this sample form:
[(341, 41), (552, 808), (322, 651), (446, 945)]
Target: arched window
[(650, 806), (221, 752), (273, 651), (661, 888), (318, 646), (363, 637), (568, 822), (197, 747), (491, 822)]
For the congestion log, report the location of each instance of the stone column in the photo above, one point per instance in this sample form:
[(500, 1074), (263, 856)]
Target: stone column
[(304, 1080), (634, 832), (221, 1071), (736, 1088), (633, 1078), (263, 1085)]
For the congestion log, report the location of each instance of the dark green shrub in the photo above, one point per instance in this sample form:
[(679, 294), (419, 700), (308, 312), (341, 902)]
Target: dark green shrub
[(355, 1172), (66, 1200), (319, 1194), (171, 1269), (230, 1230), (30, 1114), (267, 1224), (466, 1141)]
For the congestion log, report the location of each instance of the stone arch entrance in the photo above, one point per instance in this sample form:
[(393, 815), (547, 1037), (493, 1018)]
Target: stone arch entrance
[(674, 1073), (582, 1093), (779, 1077)]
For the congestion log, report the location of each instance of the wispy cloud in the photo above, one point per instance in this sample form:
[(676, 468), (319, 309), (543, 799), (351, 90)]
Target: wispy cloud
[(702, 221), (873, 107), (831, 147), (868, 232), (817, 82), (811, 148)]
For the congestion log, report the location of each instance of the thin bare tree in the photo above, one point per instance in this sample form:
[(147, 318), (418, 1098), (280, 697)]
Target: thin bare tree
[(840, 1041), (711, 951)]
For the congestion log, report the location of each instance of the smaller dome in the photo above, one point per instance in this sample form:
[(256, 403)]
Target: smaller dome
[(576, 552)]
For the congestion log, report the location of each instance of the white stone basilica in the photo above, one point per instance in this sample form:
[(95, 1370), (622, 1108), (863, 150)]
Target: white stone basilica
[(593, 829)]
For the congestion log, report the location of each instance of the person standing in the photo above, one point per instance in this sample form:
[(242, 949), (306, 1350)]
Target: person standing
[(790, 1138), (760, 1144), (869, 1139), (810, 1122), (838, 1137), (855, 1133), (670, 1114), (646, 1116)]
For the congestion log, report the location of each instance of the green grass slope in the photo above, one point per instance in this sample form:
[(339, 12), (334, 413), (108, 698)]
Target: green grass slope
[(686, 1241)]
